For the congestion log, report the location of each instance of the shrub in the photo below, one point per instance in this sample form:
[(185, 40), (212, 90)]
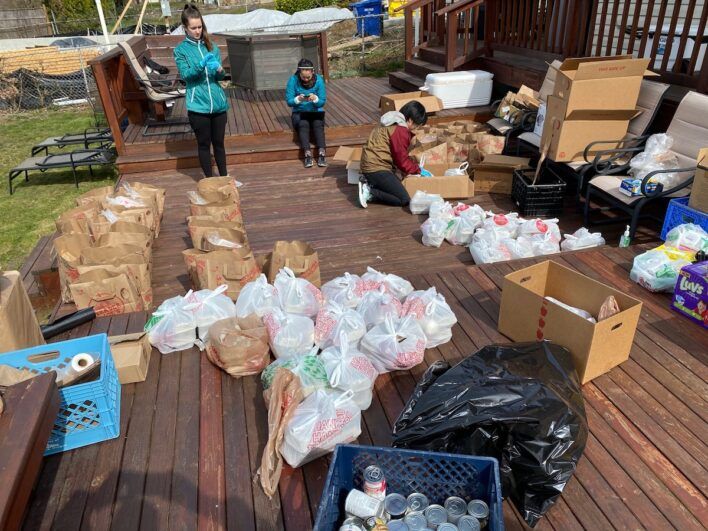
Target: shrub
[(293, 6)]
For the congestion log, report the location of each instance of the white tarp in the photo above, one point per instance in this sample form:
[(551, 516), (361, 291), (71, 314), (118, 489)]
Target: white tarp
[(272, 21)]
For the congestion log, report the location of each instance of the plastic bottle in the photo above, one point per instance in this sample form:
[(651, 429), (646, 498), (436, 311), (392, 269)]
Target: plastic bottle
[(625, 239)]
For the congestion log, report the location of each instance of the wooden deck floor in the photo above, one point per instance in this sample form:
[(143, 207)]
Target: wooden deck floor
[(191, 436)]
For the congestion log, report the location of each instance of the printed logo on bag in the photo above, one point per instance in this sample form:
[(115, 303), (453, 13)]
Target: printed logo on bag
[(250, 276), (232, 214), (72, 273), (271, 325), (541, 226), (317, 294), (325, 429), (324, 325), (411, 357), (113, 306), (314, 266), (370, 285), (364, 366), (414, 307), (500, 219), (541, 321)]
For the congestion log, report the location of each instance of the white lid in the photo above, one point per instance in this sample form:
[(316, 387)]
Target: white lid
[(462, 76)]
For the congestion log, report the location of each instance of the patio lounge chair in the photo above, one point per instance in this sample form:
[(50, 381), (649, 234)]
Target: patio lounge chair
[(689, 130), (160, 93), (92, 135), (73, 160)]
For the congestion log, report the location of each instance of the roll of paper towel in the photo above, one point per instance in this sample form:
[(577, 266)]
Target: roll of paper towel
[(81, 362)]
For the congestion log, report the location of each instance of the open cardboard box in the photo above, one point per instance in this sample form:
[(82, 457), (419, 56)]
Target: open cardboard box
[(352, 157), (608, 83), (394, 102), (131, 355), (699, 189), (495, 173), (449, 187), (525, 315)]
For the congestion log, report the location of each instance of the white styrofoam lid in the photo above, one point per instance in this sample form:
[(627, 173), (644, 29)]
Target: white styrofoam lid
[(462, 76)]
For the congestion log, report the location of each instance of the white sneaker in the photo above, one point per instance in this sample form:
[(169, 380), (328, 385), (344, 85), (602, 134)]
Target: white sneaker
[(364, 194)]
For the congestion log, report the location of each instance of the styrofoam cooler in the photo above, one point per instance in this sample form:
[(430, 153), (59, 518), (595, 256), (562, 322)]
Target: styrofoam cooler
[(468, 88)]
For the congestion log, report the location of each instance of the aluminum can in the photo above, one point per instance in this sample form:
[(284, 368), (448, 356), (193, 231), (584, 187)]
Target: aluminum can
[(362, 505), (436, 515), (447, 526), (455, 507), (396, 504), (416, 521), (397, 525), (468, 523), (480, 510), (375, 482), (417, 502)]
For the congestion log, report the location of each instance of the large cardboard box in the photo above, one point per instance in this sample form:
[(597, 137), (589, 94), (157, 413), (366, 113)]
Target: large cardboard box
[(18, 324), (568, 134), (495, 173), (608, 83), (699, 189), (448, 187), (131, 355), (352, 157), (394, 102), (525, 315)]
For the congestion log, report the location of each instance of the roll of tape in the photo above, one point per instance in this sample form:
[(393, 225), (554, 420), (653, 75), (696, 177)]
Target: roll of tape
[(81, 362)]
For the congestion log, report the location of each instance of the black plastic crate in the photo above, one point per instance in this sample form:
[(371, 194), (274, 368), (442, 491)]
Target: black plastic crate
[(543, 199)]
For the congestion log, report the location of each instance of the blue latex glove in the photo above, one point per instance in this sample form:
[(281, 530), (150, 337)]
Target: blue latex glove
[(213, 64), (425, 173), (205, 60)]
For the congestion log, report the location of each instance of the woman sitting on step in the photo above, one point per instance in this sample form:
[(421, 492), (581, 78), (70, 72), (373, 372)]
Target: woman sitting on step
[(306, 94)]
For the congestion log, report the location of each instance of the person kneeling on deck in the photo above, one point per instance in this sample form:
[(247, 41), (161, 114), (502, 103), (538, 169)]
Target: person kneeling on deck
[(306, 94), (387, 150), (199, 64)]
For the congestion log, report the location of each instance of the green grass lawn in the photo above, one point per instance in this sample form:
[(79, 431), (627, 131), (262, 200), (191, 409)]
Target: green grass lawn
[(29, 213)]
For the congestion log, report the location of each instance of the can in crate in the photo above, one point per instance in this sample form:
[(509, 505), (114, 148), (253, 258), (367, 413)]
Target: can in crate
[(480, 510), (396, 505), (374, 523), (416, 521), (455, 507), (435, 515), (417, 502), (374, 482), (362, 505), (352, 523), (468, 523)]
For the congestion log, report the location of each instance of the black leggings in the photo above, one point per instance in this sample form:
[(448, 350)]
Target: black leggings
[(386, 188), (304, 122), (210, 130)]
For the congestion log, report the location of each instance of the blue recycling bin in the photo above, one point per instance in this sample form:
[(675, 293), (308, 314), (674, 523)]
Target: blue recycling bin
[(372, 24)]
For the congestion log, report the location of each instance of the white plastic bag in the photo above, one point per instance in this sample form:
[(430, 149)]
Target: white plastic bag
[(433, 314), (209, 306), (257, 297), (577, 311), (442, 210), (297, 295), (346, 290), (399, 287), (421, 201), (547, 227), (486, 247), (172, 328), (434, 231), (290, 335), (460, 230), (504, 225), (688, 237), (582, 239), (656, 156), (656, 271), (348, 369), (542, 244), (519, 248), (459, 170), (376, 305), (323, 420), (473, 213), (395, 344), (125, 202), (308, 368), (335, 322)]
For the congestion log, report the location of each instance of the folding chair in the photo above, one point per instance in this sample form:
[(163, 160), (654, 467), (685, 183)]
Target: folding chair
[(92, 135), (73, 160), (689, 130), (159, 92)]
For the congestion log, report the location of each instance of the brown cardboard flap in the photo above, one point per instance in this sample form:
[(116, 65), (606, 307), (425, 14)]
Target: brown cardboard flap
[(504, 161), (131, 355), (347, 154), (394, 102), (594, 115), (453, 187), (610, 68), (18, 324)]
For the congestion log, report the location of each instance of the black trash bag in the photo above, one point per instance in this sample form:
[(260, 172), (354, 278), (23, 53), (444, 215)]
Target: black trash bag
[(520, 403)]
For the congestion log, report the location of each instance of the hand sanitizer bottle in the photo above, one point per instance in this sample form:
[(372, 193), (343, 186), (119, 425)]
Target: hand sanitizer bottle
[(625, 240)]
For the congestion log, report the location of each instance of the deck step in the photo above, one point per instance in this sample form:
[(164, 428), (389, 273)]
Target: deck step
[(435, 55), (421, 68), (405, 81)]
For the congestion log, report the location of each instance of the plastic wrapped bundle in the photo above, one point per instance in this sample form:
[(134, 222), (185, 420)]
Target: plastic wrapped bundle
[(657, 270), (376, 305), (503, 225), (335, 323), (433, 314), (421, 201), (395, 285), (434, 231), (297, 295), (395, 344), (348, 369), (307, 367), (346, 290), (688, 237), (257, 297), (290, 335), (582, 239)]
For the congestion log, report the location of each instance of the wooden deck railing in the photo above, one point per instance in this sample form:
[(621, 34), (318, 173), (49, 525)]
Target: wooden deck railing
[(462, 23), (430, 29)]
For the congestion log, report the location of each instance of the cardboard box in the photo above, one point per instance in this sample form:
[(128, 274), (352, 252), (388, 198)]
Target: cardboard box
[(131, 354), (352, 157), (567, 135), (699, 189), (495, 173), (525, 315), (394, 102), (607, 83), (18, 324), (449, 187)]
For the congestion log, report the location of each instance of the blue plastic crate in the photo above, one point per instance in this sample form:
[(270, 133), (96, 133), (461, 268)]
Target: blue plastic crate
[(436, 475), (89, 412), (679, 213)]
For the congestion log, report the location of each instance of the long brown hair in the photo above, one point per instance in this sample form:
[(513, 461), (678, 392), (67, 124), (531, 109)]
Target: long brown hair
[(191, 11)]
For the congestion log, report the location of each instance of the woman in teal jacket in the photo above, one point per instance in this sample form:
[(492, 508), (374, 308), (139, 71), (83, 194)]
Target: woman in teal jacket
[(306, 94), (199, 64)]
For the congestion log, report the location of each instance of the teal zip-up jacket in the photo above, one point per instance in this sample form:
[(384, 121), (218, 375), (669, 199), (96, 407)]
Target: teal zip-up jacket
[(294, 88), (204, 94)]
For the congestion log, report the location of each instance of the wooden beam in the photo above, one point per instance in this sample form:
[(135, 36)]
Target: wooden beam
[(122, 14), (104, 92)]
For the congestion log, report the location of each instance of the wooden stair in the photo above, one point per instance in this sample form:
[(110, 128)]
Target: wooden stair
[(430, 61)]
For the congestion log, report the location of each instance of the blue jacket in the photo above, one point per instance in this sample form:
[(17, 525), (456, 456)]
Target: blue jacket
[(204, 94), (294, 88)]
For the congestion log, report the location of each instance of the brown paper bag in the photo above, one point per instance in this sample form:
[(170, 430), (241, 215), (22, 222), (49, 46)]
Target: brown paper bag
[(76, 220), (489, 144), (101, 225), (139, 275), (196, 267), (282, 398), (298, 256), (457, 153), (152, 193), (224, 185), (10, 376), (68, 249), (159, 193), (470, 126), (199, 226), (144, 216), (239, 346), (436, 155), (114, 255), (224, 210), (235, 268), (114, 239), (94, 197), (107, 294), (215, 239), (18, 324), (152, 218)]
